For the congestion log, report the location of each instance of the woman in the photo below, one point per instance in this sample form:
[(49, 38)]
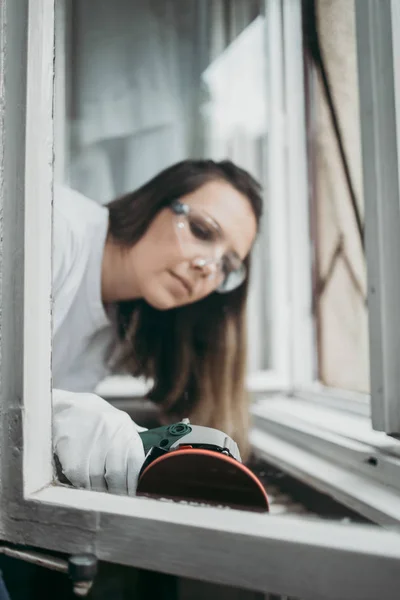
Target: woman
[(154, 284)]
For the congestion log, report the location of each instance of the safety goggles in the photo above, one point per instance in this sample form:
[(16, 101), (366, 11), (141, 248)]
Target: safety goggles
[(198, 232)]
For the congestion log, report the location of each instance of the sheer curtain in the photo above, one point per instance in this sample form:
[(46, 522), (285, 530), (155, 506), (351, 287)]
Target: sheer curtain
[(153, 82), (125, 106)]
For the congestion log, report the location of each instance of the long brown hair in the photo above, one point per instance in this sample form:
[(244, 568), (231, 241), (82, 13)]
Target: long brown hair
[(195, 354)]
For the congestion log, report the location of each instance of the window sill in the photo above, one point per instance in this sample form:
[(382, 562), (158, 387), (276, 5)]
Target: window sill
[(336, 452), (229, 547), (127, 387)]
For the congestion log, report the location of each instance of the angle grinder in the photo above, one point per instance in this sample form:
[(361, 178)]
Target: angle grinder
[(198, 464)]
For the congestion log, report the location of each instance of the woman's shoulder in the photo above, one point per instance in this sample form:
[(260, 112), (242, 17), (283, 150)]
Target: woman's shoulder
[(78, 225), (76, 210)]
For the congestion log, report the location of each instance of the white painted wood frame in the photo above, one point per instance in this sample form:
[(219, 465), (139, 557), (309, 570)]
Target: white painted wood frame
[(382, 203), (336, 440)]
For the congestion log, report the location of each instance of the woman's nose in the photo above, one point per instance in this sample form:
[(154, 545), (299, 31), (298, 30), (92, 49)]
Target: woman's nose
[(208, 268)]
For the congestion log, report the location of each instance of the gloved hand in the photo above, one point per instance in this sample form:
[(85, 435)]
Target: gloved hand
[(98, 446)]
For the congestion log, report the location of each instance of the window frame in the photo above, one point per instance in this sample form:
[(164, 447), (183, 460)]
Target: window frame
[(223, 546), (335, 451), (347, 430), (375, 32), (378, 43)]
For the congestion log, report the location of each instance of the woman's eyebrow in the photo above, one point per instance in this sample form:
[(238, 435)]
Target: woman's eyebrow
[(222, 233), (215, 223)]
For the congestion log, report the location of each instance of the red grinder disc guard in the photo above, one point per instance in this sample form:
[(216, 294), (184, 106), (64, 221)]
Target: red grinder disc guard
[(205, 477)]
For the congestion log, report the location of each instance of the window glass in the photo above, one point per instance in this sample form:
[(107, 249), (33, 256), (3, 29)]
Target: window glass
[(142, 85)]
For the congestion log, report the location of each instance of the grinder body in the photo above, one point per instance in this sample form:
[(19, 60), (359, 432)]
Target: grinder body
[(198, 464)]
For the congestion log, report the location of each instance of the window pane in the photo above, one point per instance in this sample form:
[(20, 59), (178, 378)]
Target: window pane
[(142, 85), (340, 266)]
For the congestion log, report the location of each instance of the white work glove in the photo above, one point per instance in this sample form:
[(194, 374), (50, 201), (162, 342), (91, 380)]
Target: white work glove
[(97, 445)]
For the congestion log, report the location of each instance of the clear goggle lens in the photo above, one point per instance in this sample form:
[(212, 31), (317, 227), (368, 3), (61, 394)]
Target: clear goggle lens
[(197, 230)]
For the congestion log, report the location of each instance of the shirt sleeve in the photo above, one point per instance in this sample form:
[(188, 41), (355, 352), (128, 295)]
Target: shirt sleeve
[(63, 245)]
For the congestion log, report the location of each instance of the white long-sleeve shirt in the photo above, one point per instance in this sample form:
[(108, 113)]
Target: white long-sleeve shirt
[(82, 332), (97, 445)]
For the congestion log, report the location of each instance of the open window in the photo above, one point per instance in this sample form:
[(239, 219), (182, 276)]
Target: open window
[(298, 557), (338, 417)]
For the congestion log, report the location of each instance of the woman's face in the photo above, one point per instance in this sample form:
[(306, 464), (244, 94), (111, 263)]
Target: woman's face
[(171, 267)]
